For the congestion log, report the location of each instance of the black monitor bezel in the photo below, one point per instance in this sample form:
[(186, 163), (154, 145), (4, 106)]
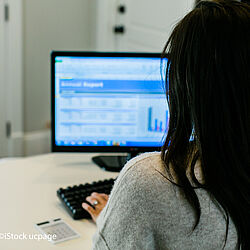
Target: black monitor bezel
[(97, 149)]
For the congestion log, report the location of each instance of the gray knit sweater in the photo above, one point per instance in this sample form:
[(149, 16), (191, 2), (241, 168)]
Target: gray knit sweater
[(146, 211)]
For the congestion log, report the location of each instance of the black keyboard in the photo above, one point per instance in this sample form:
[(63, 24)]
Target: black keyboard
[(73, 197)]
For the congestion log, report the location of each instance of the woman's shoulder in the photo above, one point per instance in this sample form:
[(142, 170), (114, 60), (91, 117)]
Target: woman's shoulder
[(150, 161), (141, 157), (144, 174)]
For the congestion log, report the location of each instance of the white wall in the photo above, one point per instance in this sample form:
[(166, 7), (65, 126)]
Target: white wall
[(49, 25)]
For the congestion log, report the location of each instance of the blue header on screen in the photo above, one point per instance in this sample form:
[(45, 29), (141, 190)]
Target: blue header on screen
[(105, 86), (110, 101)]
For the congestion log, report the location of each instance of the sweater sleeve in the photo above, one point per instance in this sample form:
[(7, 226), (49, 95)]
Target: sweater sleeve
[(127, 220)]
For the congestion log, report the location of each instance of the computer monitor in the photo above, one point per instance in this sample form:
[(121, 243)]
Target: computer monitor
[(108, 102)]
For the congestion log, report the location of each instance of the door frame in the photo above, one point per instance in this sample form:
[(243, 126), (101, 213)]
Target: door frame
[(105, 14), (11, 78), (3, 138)]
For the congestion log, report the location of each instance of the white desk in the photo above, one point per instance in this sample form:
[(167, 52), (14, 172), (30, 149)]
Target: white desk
[(28, 196)]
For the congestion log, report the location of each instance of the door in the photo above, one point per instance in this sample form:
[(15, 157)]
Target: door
[(138, 25)]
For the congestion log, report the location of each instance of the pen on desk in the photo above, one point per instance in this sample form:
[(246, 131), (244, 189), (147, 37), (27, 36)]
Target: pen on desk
[(42, 223)]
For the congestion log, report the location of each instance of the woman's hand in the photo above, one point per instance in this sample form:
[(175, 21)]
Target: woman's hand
[(98, 201)]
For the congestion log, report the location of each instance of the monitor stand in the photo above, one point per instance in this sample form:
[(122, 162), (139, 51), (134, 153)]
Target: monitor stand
[(113, 163)]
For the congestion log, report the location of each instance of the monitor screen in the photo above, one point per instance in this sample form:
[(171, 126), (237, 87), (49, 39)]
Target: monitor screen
[(103, 102)]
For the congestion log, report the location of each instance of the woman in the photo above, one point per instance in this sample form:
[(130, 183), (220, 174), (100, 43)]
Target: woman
[(194, 195)]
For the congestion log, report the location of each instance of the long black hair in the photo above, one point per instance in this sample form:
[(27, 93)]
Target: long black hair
[(208, 90)]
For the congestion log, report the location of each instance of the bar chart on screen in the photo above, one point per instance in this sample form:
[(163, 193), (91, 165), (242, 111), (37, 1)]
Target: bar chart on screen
[(157, 121)]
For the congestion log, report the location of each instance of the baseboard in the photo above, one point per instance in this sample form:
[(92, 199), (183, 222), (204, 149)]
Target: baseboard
[(37, 142), (27, 144), (16, 145)]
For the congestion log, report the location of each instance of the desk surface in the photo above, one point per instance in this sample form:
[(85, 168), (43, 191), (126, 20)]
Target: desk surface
[(28, 196)]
